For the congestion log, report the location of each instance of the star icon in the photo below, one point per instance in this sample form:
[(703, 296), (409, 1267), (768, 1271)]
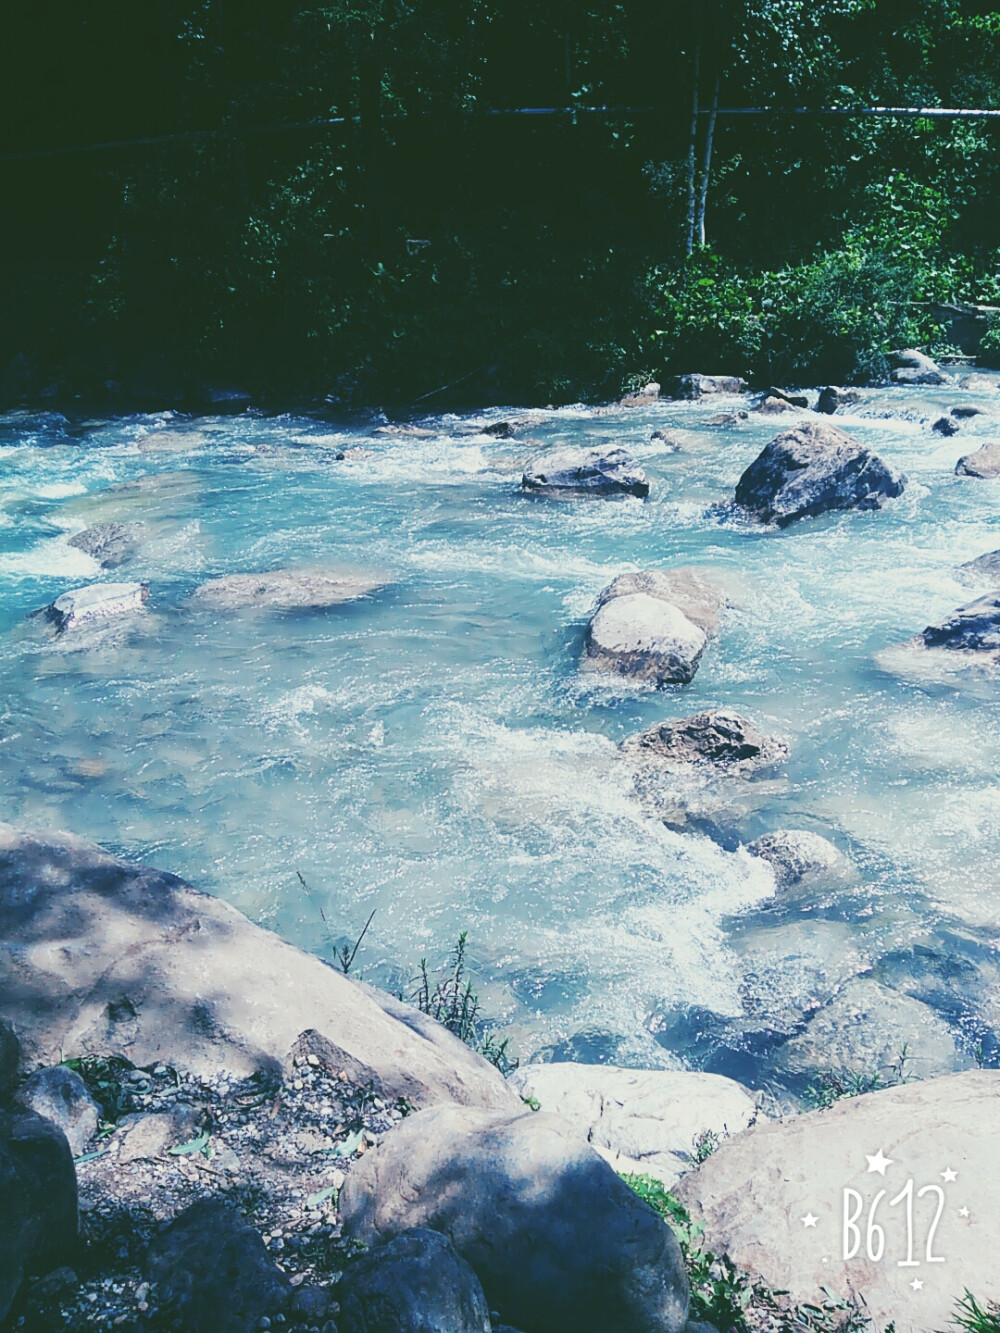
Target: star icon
[(963, 1212), (809, 1220), (917, 1285), (879, 1162), (949, 1175)]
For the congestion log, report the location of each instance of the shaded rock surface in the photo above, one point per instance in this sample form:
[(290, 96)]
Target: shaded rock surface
[(831, 399), (971, 629), (60, 1095), (811, 469), (97, 955), (984, 463), (597, 472), (213, 1271), (10, 1060), (556, 1238), (38, 1216), (690, 590), (985, 568), (417, 1283), (99, 601), (914, 367), (796, 854), (111, 544), (645, 638), (945, 426), (772, 406), (703, 386), (793, 399), (754, 1191), (640, 1121), (720, 738), (283, 590)]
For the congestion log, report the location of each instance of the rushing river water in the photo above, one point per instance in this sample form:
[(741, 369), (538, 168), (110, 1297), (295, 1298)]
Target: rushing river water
[(432, 753)]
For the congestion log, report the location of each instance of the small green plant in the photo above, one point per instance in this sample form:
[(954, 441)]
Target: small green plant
[(343, 954), (105, 1077), (970, 1315), (705, 1144), (834, 1085), (453, 1002)]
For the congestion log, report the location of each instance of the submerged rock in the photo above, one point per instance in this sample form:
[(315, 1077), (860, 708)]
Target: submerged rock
[(284, 590), (831, 399), (963, 411), (811, 469), (979, 382), (111, 544), (945, 426), (643, 637), (99, 601), (914, 367), (795, 855), (60, 1095), (724, 740), (642, 1121), (596, 472), (985, 462), (213, 1272), (38, 1219), (703, 386), (753, 1192), (417, 1283), (557, 1239), (673, 441), (688, 589)]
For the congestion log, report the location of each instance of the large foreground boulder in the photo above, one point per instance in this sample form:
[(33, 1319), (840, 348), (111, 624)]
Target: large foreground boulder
[(101, 956), (284, 590), (557, 1239), (811, 469), (790, 1200), (642, 1121), (38, 1210), (213, 1272), (719, 738), (916, 368), (99, 601), (984, 463), (585, 472), (693, 387), (417, 1283)]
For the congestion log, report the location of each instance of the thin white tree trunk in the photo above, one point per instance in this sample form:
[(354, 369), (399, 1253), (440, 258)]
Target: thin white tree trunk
[(692, 152), (706, 162)]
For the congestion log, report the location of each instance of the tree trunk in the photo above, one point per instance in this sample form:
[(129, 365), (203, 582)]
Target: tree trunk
[(706, 162), (693, 152)]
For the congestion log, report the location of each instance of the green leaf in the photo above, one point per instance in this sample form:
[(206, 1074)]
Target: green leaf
[(90, 1156), (192, 1146), (321, 1196), (349, 1146)]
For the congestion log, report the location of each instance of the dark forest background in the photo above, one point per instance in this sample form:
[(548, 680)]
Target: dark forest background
[(430, 249)]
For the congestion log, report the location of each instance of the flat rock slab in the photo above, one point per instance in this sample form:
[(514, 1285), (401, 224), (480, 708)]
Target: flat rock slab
[(98, 956), (99, 601), (284, 590), (812, 469), (640, 1121), (644, 638), (758, 1192), (110, 544), (583, 472), (984, 463)]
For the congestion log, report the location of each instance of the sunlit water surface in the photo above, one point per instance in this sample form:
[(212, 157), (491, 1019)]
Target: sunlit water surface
[(432, 752)]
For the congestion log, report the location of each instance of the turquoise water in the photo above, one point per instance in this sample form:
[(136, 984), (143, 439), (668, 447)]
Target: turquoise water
[(432, 753)]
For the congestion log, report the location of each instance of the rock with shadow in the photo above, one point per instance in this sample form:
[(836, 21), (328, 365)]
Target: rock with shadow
[(915, 368), (984, 463), (60, 1095), (574, 473), (416, 1283)]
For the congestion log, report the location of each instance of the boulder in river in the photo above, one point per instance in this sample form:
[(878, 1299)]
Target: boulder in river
[(641, 397), (772, 406), (38, 1219), (971, 629), (792, 399), (985, 462), (831, 399), (417, 1283), (811, 469), (945, 426), (642, 1121), (796, 855), (99, 956), (984, 569), (60, 1095), (914, 367), (110, 544), (687, 588), (704, 386), (644, 638), (722, 740), (99, 601), (284, 590), (556, 1238), (585, 472), (788, 1200), (979, 382), (963, 411)]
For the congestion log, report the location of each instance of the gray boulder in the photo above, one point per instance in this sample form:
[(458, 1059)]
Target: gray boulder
[(703, 386), (111, 544), (945, 426), (971, 629), (671, 439), (644, 638), (60, 1095), (793, 399), (964, 411), (913, 367), (213, 1272), (284, 590), (641, 397), (718, 738), (985, 568), (772, 406), (831, 399), (99, 601), (774, 1200), (701, 599), (984, 463), (811, 469), (585, 472), (557, 1239), (417, 1283), (641, 1121), (977, 381), (38, 1219), (10, 1060), (796, 855), (151, 968)]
